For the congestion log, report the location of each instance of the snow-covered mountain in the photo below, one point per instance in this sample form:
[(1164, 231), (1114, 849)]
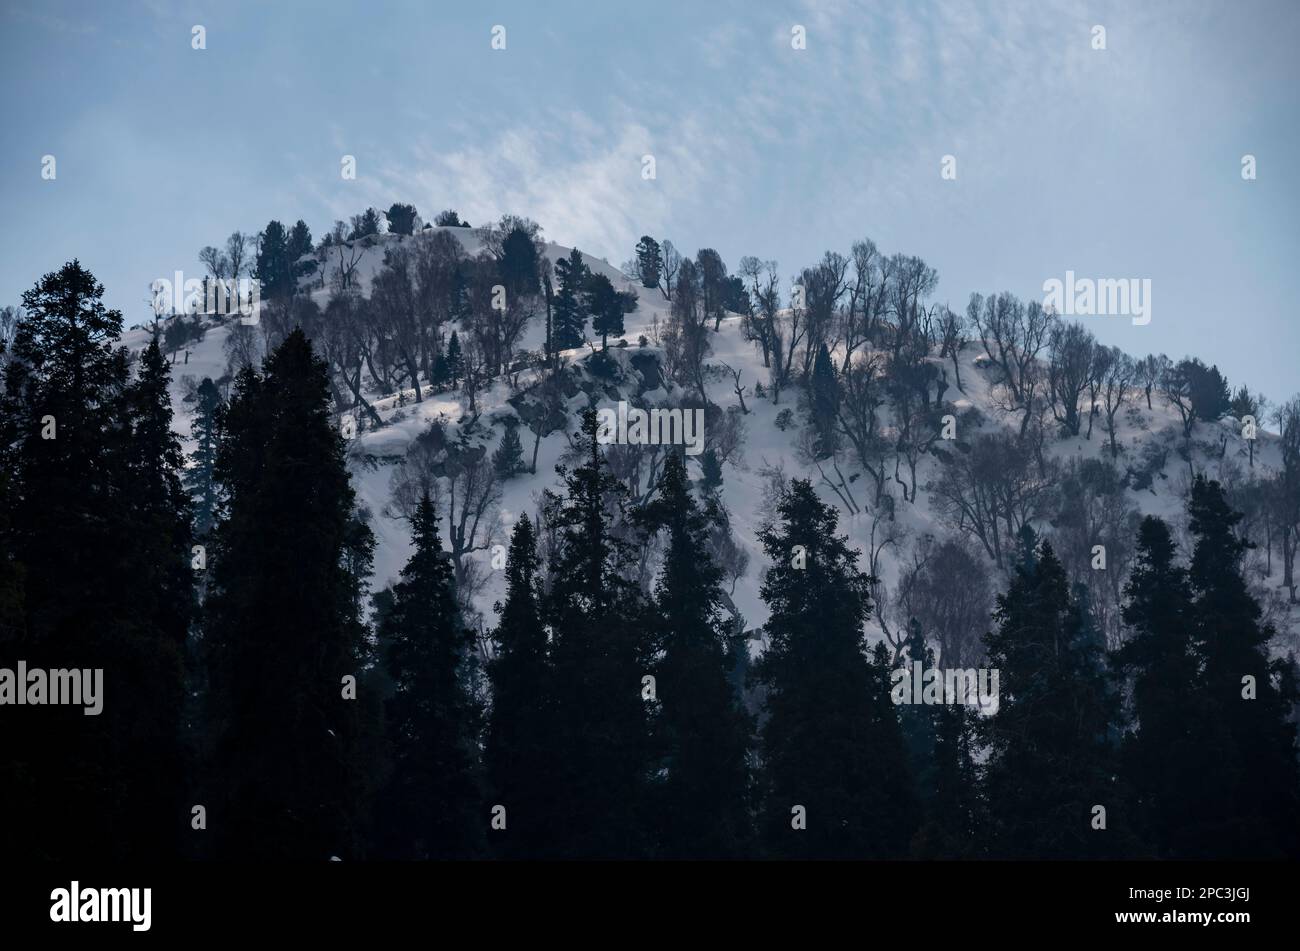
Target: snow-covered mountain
[(768, 446)]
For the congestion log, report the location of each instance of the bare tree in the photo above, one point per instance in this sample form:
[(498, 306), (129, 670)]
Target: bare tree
[(945, 585), (1150, 370), (672, 264), (461, 480), (238, 246), (736, 387), (1120, 374), (991, 492), (759, 324), (1013, 335), (952, 337), (1069, 369)]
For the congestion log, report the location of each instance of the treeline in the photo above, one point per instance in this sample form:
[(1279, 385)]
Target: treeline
[(251, 711)]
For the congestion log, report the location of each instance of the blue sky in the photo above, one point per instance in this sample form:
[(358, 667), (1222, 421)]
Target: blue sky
[(1117, 163)]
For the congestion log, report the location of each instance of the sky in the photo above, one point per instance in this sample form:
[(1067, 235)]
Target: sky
[(1115, 163)]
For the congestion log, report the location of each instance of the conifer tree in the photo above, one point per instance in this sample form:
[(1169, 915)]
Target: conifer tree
[(595, 614), (702, 794), (832, 743), (918, 721), (649, 261), (519, 264), (508, 460), (155, 526), (1051, 742), (607, 307), (94, 575), (519, 752), (282, 628), (570, 317), (954, 816), (455, 361), (1165, 759), (273, 268), (199, 478), (432, 806), (1255, 784), (401, 218)]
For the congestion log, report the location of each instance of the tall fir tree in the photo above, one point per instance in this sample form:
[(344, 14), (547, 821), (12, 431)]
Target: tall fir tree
[(703, 791), (607, 306), (570, 315), (519, 264), (199, 477), (1249, 696), (831, 745), (596, 617), (431, 808), (508, 459), (455, 361), (156, 525), (1165, 757), (955, 814), (519, 752), (273, 267), (649, 261), (283, 630), (95, 577), (1051, 743)]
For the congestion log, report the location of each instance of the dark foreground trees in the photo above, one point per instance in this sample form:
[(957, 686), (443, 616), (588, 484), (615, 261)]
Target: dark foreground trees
[(283, 628)]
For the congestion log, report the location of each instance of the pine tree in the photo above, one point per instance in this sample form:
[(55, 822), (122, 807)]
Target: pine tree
[(441, 373), (199, 477), (1256, 783), (156, 528), (1164, 756), (955, 813), (519, 751), (401, 218), (1051, 753), (519, 264), (918, 721), (607, 307), (432, 806), (274, 268), (455, 362), (832, 743), (297, 245), (649, 261), (570, 318), (508, 460), (283, 629), (95, 562), (703, 792), (824, 399), (595, 614)]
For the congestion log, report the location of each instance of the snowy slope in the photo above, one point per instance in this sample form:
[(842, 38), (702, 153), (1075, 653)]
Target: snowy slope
[(373, 452)]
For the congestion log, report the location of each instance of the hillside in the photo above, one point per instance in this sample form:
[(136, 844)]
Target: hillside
[(1218, 449)]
